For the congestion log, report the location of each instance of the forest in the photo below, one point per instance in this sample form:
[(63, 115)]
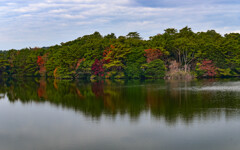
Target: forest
[(174, 54)]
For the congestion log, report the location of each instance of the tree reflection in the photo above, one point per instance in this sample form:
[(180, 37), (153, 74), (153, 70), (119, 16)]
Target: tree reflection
[(170, 100), (42, 93), (98, 88)]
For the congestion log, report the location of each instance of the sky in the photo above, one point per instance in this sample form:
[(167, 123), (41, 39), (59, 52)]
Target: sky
[(38, 23)]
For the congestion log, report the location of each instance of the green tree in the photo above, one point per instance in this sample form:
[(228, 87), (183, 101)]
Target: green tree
[(154, 69)]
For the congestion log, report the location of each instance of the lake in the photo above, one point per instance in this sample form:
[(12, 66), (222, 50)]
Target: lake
[(39, 114)]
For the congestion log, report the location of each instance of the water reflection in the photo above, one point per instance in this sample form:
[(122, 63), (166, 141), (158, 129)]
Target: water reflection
[(168, 100)]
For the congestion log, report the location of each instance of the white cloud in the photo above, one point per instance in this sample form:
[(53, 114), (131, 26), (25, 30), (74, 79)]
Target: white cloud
[(44, 19), (58, 11)]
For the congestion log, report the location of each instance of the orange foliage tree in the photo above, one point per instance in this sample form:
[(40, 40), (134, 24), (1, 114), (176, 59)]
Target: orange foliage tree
[(152, 54)]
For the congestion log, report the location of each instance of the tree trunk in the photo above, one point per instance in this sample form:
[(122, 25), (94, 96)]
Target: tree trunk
[(185, 67)]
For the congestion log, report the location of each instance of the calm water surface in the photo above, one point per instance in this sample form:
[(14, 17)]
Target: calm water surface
[(173, 115)]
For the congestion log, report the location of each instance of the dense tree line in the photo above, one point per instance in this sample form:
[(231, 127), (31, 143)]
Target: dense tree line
[(173, 54)]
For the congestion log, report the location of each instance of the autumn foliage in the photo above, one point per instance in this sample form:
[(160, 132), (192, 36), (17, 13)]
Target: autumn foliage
[(107, 54), (55, 72), (97, 68), (41, 63), (79, 62), (152, 54), (108, 51), (208, 67)]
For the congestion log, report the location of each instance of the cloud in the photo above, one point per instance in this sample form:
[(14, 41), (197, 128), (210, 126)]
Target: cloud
[(48, 22)]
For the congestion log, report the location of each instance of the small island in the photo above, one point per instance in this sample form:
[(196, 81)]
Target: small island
[(173, 54)]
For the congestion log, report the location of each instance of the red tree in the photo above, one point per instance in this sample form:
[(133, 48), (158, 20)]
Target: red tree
[(209, 67), (97, 68), (40, 61), (152, 54)]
